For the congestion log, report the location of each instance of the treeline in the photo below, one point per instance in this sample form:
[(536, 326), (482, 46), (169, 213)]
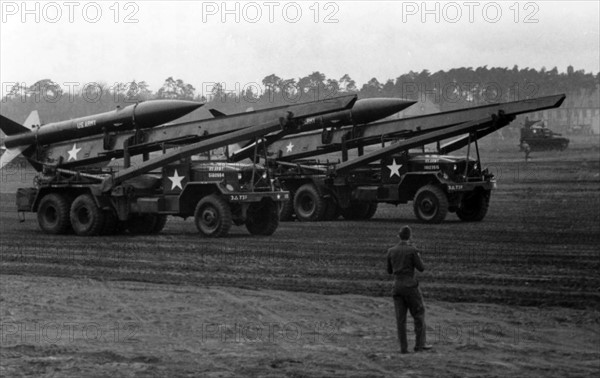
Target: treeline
[(455, 88)]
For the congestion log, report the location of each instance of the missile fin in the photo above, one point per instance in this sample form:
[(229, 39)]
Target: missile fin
[(10, 127), (32, 120), (217, 114), (10, 154)]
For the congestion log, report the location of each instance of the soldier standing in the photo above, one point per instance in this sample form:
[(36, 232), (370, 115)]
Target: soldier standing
[(402, 260), (527, 149)]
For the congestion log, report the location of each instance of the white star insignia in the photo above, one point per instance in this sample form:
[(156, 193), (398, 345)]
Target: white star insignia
[(176, 181), (289, 147), (73, 152), (394, 168)]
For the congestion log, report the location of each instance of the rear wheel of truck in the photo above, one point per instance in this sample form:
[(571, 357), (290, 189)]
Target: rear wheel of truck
[(53, 214), (308, 204), (473, 207), (262, 217), (86, 218), (430, 204), (213, 216)]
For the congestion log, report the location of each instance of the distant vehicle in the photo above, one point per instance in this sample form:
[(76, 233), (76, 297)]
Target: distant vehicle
[(541, 138)]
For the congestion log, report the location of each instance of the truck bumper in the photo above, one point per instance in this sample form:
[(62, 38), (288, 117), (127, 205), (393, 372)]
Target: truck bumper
[(470, 186), (240, 197)]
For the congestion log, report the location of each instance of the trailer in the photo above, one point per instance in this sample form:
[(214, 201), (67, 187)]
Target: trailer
[(100, 201), (436, 183)]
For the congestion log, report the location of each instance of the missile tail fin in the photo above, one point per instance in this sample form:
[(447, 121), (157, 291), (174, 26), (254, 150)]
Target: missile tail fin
[(217, 114), (10, 154), (10, 127), (33, 120)]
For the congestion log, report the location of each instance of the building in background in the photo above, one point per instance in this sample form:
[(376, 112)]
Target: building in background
[(579, 115)]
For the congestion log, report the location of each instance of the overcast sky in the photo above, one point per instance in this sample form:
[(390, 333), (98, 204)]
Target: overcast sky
[(199, 42)]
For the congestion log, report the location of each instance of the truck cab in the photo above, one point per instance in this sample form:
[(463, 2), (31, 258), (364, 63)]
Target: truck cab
[(437, 184)]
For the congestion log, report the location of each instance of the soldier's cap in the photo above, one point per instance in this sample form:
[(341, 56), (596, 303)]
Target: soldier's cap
[(404, 233)]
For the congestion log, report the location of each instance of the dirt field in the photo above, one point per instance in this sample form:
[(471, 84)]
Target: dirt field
[(515, 295)]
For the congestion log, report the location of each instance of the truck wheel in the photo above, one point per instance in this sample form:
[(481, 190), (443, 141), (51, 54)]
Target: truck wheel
[(53, 214), (213, 216), (430, 204), (262, 218), (473, 207), (308, 204), (86, 218), (286, 209)]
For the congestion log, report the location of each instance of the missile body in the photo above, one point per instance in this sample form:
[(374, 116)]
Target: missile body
[(142, 115), (364, 111)]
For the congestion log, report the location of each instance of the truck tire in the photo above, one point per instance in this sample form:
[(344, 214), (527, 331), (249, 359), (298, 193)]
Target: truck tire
[(308, 204), (213, 216), (286, 209), (53, 214), (262, 218), (473, 207), (86, 218), (430, 204)]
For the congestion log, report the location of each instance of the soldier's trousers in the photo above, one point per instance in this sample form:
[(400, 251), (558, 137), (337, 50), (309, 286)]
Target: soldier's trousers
[(410, 299)]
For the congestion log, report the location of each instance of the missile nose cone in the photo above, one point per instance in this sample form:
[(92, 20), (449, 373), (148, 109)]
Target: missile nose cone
[(373, 109), (156, 112)]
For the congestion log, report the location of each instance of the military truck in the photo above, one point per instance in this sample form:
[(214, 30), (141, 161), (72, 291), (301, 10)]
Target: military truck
[(215, 194), (93, 201), (541, 138), (435, 183)]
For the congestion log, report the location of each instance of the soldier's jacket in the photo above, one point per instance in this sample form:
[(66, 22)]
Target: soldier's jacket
[(402, 260)]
